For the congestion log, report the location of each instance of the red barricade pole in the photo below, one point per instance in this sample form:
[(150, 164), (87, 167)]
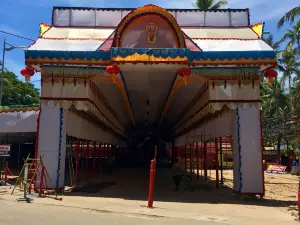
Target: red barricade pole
[(94, 157), (197, 158), (87, 157), (217, 162), (5, 172), (151, 184), (42, 180), (77, 160)]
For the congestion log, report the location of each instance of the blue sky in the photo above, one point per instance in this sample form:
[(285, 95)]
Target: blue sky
[(22, 17)]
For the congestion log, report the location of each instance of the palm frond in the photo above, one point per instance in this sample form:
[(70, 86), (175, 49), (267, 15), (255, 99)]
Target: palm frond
[(289, 16), (219, 4)]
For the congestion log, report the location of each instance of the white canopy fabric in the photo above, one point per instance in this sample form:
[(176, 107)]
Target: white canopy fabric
[(80, 33), (18, 122), (216, 39), (233, 45), (65, 45)]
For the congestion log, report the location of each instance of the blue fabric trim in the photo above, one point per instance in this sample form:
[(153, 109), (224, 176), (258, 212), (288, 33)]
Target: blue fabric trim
[(89, 55), (214, 55), (61, 113), (164, 53), (224, 68), (239, 149), (157, 52)]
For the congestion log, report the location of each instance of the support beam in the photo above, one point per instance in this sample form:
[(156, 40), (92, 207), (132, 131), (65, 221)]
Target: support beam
[(52, 143), (217, 162), (247, 152), (221, 160)]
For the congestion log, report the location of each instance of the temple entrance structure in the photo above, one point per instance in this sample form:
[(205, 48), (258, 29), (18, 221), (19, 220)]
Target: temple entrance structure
[(182, 76)]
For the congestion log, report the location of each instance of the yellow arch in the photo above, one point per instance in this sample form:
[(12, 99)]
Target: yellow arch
[(148, 10)]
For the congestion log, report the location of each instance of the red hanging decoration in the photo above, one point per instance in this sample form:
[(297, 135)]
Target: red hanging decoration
[(27, 73), (113, 71), (184, 73), (270, 74)]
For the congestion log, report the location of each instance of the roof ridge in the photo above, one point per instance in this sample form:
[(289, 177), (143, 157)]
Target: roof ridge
[(170, 9)]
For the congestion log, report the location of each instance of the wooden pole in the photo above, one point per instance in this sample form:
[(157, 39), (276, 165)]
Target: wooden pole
[(77, 160), (19, 150), (100, 156), (5, 172), (42, 180), (87, 156), (217, 162), (94, 157), (221, 159), (202, 154), (197, 159), (181, 155), (191, 158), (205, 161), (185, 158), (299, 200)]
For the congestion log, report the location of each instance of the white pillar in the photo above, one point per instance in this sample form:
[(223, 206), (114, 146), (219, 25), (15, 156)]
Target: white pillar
[(247, 152), (52, 143)]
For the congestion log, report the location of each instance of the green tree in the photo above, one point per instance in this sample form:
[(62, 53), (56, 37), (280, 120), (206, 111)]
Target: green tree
[(271, 42), (276, 104), (210, 4), (274, 100), (16, 92), (292, 36), (288, 65), (296, 102), (290, 16)]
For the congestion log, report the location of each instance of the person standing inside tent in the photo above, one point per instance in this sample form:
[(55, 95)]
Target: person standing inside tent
[(178, 172)]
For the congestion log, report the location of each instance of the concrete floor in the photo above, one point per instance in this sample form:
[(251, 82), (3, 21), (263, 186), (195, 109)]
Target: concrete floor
[(33, 214)]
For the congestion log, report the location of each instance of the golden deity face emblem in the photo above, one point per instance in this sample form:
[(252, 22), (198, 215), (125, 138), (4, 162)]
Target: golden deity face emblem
[(151, 29)]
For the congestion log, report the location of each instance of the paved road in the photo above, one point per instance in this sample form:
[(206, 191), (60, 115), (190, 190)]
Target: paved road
[(12, 213)]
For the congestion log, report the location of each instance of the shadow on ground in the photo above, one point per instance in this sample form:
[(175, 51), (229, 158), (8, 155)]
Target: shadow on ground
[(133, 184)]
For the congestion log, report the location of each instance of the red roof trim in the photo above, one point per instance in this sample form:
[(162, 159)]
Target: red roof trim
[(238, 39)]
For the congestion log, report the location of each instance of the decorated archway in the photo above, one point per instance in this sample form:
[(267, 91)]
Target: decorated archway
[(149, 26)]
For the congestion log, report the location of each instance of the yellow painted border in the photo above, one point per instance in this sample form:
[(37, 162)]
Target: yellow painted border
[(258, 29), (149, 58)]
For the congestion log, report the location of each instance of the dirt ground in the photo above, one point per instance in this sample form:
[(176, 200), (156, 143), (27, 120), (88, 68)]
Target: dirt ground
[(280, 188)]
